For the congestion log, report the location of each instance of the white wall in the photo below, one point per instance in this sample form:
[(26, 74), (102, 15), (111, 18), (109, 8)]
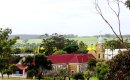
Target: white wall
[(109, 53)]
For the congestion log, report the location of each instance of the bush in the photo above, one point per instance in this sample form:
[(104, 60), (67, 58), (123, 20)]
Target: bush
[(60, 52), (79, 76), (31, 73)]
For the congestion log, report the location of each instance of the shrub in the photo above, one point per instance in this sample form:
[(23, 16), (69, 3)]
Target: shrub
[(79, 76), (30, 73)]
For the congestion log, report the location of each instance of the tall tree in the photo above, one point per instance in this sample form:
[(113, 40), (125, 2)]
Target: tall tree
[(82, 45), (56, 42), (5, 48)]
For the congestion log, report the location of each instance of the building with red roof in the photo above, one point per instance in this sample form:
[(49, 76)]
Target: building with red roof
[(73, 62)]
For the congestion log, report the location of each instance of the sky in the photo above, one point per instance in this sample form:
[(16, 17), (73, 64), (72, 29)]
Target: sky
[(77, 17)]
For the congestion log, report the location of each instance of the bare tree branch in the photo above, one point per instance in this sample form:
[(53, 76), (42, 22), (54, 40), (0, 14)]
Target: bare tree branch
[(98, 9), (117, 14)]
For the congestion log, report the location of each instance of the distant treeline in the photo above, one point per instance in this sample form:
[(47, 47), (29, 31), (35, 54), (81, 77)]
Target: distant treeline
[(56, 34), (26, 36), (30, 36)]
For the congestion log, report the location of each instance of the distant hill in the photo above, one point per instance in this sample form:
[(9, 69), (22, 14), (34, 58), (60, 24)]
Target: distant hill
[(72, 36), (26, 36)]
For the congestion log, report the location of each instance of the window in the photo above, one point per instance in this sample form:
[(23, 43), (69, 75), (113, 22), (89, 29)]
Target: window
[(98, 55), (103, 56)]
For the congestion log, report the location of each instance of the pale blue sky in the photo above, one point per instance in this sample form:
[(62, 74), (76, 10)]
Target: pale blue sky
[(61, 16)]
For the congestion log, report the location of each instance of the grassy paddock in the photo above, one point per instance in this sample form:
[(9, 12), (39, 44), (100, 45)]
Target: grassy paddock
[(87, 40)]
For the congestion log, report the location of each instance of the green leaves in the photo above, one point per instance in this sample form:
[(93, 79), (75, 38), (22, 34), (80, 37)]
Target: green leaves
[(91, 63), (71, 48), (55, 43), (5, 50), (102, 70), (37, 64), (6, 43)]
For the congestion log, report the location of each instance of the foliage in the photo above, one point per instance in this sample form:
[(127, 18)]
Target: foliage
[(28, 60), (87, 74), (6, 43), (31, 73), (60, 52), (91, 63), (37, 65), (7, 71), (79, 76), (82, 45), (119, 66), (5, 48), (82, 51), (29, 51), (42, 62), (22, 47), (64, 35), (71, 48), (112, 44), (14, 59), (63, 73), (55, 43), (116, 44), (101, 70), (16, 51), (13, 68)]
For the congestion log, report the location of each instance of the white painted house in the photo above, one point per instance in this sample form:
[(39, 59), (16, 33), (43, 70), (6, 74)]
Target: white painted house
[(109, 53)]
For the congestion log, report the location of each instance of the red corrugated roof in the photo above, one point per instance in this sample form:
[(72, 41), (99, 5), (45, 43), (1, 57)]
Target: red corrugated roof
[(70, 58), (21, 66)]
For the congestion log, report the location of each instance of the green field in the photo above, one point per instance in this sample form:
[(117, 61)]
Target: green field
[(87, 40)]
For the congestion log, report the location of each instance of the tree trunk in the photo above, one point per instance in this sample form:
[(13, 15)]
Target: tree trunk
[(8, 76), (64, 77), (69, 78), (87, 78), (54, 78), (2, 75), (39, 76)]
